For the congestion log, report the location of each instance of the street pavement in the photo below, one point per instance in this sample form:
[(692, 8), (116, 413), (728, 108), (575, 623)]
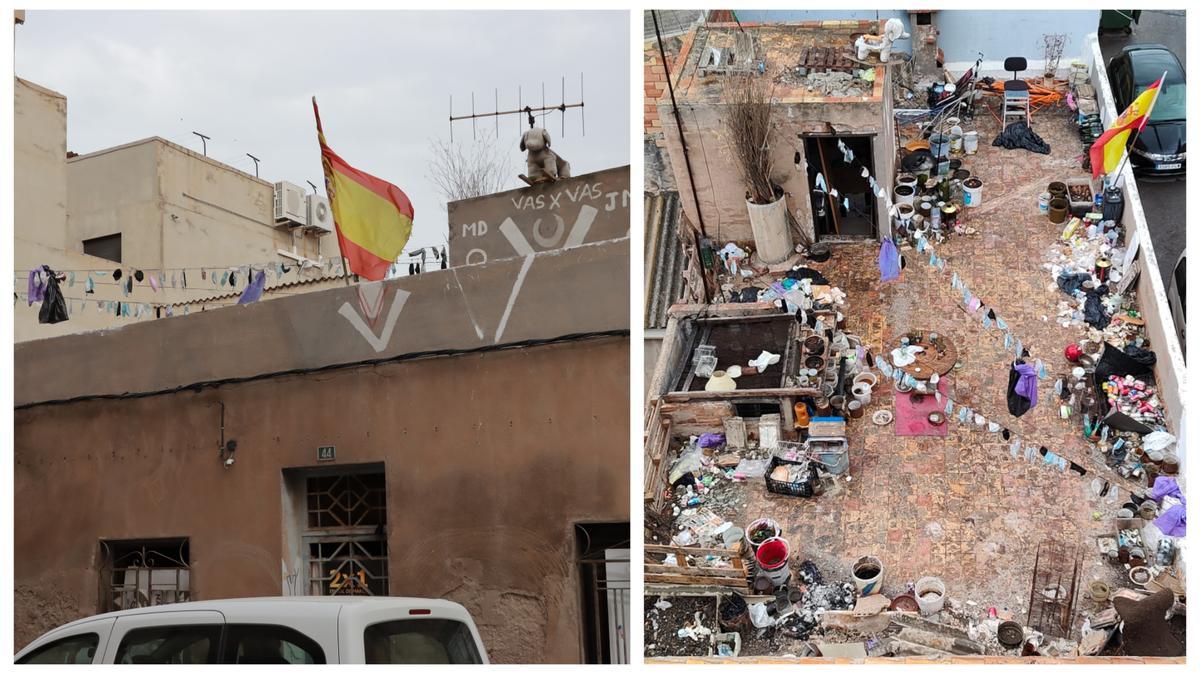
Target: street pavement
[(1163, 202)]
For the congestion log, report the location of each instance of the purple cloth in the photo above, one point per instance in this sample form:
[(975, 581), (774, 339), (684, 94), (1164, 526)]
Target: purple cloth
[(889, 261), (37, 287), (1165, 486), (711, 440), (253, 291), (1027, 384), (1173, 522)]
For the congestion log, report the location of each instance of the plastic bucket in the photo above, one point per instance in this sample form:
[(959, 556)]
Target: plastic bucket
[(970, 142), (931, 595), (862, 393), (906, 179), (1044, 203), (956, 142), (939, 145), (871, 379), (767, 525), (772, 558), (868, 575), (972, 192)]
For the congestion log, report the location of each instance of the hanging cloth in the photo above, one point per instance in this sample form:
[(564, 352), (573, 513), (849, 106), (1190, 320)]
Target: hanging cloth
[(254, 289), (54, 306), (37, 286), (1022, 388), (889, 261)]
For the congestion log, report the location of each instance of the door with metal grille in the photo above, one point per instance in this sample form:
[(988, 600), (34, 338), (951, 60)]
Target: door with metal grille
[(603, 550), (345, 536)]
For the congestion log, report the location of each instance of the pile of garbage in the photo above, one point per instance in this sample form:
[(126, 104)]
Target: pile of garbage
[(1135, 398), (797, 608)]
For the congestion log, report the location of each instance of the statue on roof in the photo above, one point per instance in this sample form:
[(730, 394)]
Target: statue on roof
[(543, 164), (893, 30)]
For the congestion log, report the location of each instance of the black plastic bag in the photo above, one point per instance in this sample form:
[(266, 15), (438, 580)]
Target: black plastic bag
[(1017, 404), (1093, 312), (54, 307), (1133, 361), (1070, 282), (1018, 135)]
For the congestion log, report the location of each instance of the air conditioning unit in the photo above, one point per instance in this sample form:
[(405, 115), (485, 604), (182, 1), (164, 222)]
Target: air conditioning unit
[(320, 216), (290, 208)]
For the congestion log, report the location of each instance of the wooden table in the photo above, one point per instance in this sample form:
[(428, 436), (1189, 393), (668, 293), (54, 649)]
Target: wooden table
[(929, 361)]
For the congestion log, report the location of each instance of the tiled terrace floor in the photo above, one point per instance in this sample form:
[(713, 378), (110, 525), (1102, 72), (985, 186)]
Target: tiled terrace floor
[(959, 507)]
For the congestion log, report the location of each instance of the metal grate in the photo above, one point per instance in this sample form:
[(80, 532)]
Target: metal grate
[(1053, 591), (144, 573), (346, 535), (349, 566), (349, 500), (604, 571)]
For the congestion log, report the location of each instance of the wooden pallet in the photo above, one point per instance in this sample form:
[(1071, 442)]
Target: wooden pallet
[(682, 574), (656, 439)]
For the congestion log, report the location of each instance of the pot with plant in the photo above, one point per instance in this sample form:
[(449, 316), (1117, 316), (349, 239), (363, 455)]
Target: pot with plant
[(748, 121)]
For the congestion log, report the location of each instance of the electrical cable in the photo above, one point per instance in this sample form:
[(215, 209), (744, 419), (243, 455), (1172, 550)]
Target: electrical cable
[(410, 356)]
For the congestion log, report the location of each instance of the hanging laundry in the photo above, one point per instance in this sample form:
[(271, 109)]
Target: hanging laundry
[(37, 287), (820, 183), (865, 173), (987, 322), (1022, 388), (1007, 341), (127, 287), (203, 274), (154, 283), (955, 282), (949, 407), (71, 280), (224, 279), (1001, 325), (941, 264), (89, 286), (1041, 370), (973, 305), (921, 245), (254, 290), (1019, 349), (139, 275), (889, 260), (184, 275)]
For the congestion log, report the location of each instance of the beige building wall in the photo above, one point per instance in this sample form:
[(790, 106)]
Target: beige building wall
[(172, 207)]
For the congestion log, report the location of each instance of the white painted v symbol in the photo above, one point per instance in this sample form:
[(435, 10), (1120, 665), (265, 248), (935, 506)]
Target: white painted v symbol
[(377, 342)]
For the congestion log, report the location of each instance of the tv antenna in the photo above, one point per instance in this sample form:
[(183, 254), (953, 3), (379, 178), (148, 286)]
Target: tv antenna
[(523, 109), (204, 140)]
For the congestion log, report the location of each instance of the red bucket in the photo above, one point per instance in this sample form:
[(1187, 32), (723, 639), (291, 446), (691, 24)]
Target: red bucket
[(773, 553)]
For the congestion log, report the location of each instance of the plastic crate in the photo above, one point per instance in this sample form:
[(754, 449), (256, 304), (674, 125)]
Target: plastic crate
[(1080, 207), (804, 489)]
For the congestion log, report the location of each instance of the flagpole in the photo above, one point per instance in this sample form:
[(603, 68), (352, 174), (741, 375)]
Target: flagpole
[(1162, 84)]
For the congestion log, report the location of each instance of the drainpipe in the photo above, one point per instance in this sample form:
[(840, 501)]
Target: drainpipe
[(662, 53)]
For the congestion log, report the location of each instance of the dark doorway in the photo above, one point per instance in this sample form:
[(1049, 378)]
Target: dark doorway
[(846, 207), (603, 554)]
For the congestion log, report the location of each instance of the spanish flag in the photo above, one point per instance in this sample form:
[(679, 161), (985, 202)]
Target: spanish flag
[(1107, 151), (373, 218)]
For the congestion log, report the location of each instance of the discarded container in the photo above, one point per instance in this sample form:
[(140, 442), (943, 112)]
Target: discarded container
[(1100, 590), (956, 142), (906, 179), (720, 381), (972, 192), (832, 453), (1010, 634), (1148, 510), (868, 575), (905, 194), (931, 595), (862, 393), (760, 531), (868, 378), (1057, 189), (1170, 464), (1044, 203), (772, 557), (970, 142), (949, 216), (939, 145), (855, 408), (821, 407), (1059, 208), (904, 216)]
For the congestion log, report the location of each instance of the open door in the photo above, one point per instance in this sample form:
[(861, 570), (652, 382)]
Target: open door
[(844, 206)]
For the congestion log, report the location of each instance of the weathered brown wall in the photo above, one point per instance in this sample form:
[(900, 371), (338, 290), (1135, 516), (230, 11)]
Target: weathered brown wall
[(570, 291), (590, 208), (490, 460)]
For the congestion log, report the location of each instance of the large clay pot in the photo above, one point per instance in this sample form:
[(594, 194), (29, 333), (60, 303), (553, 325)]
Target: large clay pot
[(1059, 209)]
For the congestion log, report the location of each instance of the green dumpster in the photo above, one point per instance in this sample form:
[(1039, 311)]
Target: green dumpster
[(1119, 19)]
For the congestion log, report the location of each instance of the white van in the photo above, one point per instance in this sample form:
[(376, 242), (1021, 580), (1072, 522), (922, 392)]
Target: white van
[(269, 630)]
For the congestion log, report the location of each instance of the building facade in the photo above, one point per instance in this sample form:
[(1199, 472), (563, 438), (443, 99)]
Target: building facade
[(151, 206), (459, 434)]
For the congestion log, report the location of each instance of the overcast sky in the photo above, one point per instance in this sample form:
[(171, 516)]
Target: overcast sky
[(383, 81)]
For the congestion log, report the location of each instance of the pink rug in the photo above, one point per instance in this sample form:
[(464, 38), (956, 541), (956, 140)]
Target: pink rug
[(912, 419)]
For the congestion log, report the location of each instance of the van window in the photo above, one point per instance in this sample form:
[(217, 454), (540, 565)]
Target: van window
[(420, 641), (254, 643), (74, 650), (170, 644)]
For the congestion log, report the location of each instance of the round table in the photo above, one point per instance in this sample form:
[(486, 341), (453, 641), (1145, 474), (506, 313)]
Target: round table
[(931, 360)]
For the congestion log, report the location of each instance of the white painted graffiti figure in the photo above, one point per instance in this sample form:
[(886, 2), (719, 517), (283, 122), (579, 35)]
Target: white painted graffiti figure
[(892, 30)]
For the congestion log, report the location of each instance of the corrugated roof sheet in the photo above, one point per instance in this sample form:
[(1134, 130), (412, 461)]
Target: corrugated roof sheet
[(663, 257), (671, 21)]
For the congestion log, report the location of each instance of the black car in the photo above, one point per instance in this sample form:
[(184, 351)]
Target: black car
[(1161, 148)]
